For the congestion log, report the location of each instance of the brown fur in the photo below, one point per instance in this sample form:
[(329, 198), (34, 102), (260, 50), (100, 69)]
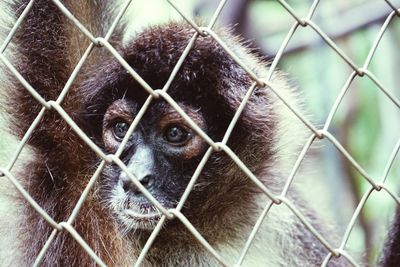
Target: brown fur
[(56, 145)]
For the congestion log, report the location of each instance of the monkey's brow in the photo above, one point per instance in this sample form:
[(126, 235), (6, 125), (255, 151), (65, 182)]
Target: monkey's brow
[(90, 114)]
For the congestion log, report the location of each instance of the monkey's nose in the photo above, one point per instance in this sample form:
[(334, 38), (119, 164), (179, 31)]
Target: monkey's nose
[(129, 186)]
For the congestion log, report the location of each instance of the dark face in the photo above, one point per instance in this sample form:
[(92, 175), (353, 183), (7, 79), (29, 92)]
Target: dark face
[(162, 154)]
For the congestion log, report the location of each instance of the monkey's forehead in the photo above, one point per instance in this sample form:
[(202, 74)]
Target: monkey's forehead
[(155, 52)]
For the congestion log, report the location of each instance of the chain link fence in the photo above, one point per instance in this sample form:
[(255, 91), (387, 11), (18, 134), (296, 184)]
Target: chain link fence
[(377, 185)]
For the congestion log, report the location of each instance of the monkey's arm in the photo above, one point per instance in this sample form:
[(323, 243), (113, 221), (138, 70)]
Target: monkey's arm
[(46, 49)]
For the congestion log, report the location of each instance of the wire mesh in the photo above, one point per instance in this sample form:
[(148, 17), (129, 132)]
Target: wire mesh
[(377, 184)]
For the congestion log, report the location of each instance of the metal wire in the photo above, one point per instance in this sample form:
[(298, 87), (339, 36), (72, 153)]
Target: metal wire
[(315, 132)]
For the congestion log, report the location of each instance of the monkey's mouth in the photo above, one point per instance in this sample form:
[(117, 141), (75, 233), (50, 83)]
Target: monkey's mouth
[(144, 213), (135, 212), (139, 215)]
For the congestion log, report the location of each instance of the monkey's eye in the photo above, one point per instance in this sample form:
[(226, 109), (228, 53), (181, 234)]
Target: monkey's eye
[(120, 129), (176, 135)]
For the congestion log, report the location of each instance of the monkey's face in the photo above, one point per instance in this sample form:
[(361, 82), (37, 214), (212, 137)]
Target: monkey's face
[(162, 154)]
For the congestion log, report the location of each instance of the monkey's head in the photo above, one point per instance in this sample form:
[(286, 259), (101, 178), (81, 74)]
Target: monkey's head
[(164, 151)]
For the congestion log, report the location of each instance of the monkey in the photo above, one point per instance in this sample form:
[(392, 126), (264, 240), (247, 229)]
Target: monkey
[(162, 153), (391, 252)]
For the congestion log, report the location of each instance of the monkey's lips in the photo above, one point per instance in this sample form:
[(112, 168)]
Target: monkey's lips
[(134, 211), (141, 216), (138, 215)]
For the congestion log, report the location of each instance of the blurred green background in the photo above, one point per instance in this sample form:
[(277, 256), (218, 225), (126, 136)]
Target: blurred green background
[(366, 123)]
